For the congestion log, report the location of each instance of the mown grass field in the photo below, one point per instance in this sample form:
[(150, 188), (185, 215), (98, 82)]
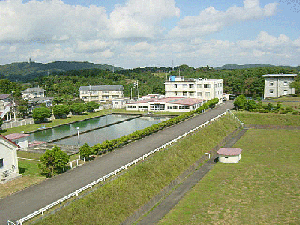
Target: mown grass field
[(115, 201), (263, 188), (268, 118)]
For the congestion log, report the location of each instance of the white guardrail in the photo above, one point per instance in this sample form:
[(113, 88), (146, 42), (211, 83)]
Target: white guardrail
[(101, 179)]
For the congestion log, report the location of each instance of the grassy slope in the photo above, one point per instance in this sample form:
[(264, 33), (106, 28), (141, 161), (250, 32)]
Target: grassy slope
[(112, 203), (262, 189), (268, 118)]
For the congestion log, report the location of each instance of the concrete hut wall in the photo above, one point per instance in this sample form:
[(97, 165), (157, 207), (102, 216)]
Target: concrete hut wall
[(8, 153), (230, 158)]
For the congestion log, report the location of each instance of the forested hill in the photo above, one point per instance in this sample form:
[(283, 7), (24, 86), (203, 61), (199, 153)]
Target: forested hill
[(26, 71), (245, 66)]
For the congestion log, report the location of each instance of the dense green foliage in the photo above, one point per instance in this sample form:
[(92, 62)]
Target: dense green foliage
[(40, 114), (53, 161), (78, 108), (60, 111), (91, 106)]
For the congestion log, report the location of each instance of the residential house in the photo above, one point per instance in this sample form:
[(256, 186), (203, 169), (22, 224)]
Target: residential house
[(8, 160), (6, 107), (31, 93), (277, 85), (101, 93), (205, 89)]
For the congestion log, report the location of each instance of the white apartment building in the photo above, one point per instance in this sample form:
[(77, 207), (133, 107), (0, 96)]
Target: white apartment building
[(100, 93), (277, 85), (205, 89)]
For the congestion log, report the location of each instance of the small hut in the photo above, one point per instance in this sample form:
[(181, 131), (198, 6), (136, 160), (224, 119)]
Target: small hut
[(229, 155)]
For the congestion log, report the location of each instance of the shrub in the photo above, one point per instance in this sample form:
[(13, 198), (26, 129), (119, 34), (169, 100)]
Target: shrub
[(53, 161), (85, 151), (41, 114)]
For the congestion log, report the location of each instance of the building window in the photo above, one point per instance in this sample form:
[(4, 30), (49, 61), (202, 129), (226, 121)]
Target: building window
[(207, 94), (176, 93), (192, 94), (271, 91), (175, 85), (199, 85), (199, 94), (271, 83), (191, 85), (1, 163), (184, 93), (285, 83), (206, 85), (184, 85)]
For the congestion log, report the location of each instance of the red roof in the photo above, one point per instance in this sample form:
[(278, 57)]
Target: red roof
[(9, 141), (229, 151), (172, 100), (15, 136)]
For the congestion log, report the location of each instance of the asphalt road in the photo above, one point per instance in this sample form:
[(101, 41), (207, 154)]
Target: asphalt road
[(35, 197)]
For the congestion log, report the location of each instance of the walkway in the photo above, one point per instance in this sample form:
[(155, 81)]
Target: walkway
[(35, 197), (172, 199)]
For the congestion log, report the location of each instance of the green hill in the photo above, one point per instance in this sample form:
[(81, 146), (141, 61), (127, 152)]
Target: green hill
[(25, 71)]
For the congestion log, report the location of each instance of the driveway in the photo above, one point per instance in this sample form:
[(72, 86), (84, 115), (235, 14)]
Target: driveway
[(35, 197)]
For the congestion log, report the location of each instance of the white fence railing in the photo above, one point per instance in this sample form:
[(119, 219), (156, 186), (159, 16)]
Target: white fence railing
[(101, 179)]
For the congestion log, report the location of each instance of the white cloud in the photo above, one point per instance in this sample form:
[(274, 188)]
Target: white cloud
[(211, 20), (49, 21), (140, 18)]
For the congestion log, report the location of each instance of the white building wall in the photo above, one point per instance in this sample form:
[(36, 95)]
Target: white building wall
[(205, 89), (278, 86), (8, 154), (230, 158)]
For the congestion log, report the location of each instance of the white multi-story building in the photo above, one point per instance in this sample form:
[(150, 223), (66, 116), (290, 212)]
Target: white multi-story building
[(205, 89), (100, 93), (277, 85)]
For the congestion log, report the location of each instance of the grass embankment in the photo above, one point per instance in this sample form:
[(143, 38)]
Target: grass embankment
[(263, 188), (268, 118), (115, 201)]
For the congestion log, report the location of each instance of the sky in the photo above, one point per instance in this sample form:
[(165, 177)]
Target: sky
[(140, 33)]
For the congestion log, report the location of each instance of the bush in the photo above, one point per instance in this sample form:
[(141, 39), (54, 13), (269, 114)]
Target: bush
[(85, 151), (41, 114), (240, 102), (53, 162), (60, 111)]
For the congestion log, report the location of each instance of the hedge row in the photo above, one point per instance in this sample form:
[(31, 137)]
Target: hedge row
[(109, 145)]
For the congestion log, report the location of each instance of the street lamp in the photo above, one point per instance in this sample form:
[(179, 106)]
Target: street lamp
[(78, 134)]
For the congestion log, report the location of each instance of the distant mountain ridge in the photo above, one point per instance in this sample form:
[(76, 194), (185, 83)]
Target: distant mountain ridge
[(26, 71), (244, 66)]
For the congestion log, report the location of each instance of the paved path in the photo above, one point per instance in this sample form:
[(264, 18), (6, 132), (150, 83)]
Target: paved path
[(33, 198), (172, 199)]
